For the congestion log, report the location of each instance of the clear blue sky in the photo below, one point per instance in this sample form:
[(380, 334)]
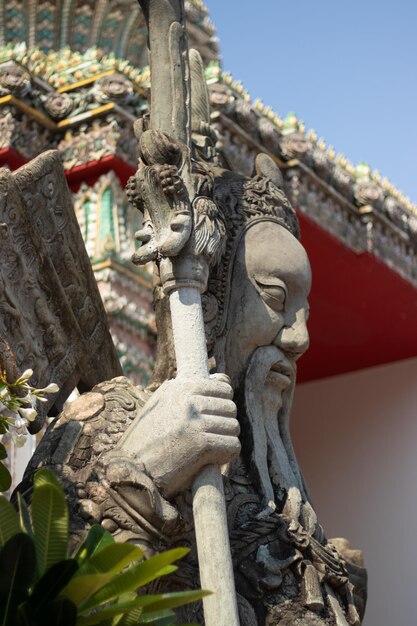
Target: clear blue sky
[(347, 69)]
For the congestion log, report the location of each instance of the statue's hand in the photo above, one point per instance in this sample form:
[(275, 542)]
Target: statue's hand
[(186, 425)]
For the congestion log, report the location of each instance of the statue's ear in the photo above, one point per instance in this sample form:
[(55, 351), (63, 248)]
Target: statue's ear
[(265, 166), (200, 103)]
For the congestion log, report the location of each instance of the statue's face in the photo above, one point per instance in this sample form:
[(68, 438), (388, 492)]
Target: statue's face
[(268, 306)]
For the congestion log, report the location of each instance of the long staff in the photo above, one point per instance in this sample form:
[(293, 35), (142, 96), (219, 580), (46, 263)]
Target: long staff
[(184, 279)]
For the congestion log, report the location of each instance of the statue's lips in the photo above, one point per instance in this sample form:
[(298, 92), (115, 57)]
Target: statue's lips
[(281, 373), (271, 367)]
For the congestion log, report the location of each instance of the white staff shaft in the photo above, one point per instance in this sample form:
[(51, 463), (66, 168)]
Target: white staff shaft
[(209, 507)]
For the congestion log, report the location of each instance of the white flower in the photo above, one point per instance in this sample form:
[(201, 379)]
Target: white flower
[(28, 414), (5, 395), (3, 407), (25, 376), (18, 439), (30, 399), (51, 388), (20, 425)]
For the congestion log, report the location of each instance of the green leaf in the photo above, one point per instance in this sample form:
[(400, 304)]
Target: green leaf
[(81, 588), (131, 618), (3, 452), (50, 522), (52, 583), (174, 600), (9, 521), (5, 478), (136, 576), (133, 578), (112, 558), (97, 539), (151, 567), (158, 617), (17, 570), (120, 608), (129, 596), (24, 515), (147, 603), (46, 477)]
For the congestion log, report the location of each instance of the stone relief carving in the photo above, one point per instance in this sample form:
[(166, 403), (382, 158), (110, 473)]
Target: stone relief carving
[(128, 456), (13, 79), (51, 213), (22, 133), (109, 136), (52, 313), (58, 105), (368, 231), (113, 87), (312, 197)]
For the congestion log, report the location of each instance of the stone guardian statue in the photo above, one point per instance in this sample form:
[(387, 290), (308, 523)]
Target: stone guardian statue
[(134, 459)]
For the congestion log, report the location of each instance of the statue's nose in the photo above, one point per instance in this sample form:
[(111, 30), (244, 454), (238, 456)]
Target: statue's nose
[(293, 339)]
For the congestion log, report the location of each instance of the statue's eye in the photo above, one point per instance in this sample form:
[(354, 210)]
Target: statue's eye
[(274, 295)]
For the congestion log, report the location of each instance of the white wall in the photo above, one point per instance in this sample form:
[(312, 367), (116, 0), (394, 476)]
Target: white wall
[(356, 441)]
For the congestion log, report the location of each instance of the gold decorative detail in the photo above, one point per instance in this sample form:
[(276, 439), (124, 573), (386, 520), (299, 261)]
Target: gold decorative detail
[(72, 121), (42, 119), (85, 81)]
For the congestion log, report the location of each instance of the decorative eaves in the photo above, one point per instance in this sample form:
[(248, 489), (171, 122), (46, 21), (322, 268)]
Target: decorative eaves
[(86, 104), (289, 141)]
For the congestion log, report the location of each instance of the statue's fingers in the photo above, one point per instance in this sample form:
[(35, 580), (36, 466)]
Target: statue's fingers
[(215, 425), (220, 449), (212, 387), (214, 406)]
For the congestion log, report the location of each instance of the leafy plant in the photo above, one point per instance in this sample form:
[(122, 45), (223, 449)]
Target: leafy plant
[(98, 586)]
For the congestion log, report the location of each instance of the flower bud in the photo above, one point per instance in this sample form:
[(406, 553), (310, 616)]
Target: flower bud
[(25, 376), (29, 414), (51, 388), (19, 423)]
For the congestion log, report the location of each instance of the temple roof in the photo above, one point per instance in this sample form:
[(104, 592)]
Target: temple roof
[(115, 26)]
